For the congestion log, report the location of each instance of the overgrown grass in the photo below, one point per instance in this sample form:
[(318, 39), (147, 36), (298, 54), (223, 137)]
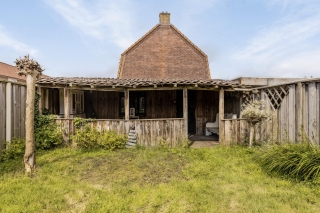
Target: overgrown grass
[(158, 180), (297, 161)]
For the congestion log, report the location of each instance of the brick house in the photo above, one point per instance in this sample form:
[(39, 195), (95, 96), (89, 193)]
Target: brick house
[(163, 89)]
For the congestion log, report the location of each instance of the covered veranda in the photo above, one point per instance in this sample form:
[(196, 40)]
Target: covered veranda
[(160, 110)]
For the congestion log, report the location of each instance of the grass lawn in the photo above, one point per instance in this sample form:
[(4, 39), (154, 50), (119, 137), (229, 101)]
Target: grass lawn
[(143, 180)]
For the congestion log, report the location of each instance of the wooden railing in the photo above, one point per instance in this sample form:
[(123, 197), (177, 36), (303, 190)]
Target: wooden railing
[(150, 132)]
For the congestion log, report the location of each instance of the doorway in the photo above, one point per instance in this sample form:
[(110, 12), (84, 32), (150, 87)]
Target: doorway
[(192, 102)]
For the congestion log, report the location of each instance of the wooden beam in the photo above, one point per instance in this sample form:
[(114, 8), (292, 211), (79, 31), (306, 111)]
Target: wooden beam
[(221, 117), (185, 109), (126, 104), (66, 103), (8, 111)]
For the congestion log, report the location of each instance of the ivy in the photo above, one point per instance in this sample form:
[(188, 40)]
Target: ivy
[(47, 133)]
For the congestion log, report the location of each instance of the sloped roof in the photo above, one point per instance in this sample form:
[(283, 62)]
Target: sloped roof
[(115, 82), (164, 53), (7, 70)]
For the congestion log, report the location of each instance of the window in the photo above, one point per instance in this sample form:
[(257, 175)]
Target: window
[(137, 102)]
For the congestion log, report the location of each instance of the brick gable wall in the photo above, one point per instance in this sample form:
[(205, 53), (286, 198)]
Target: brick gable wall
[(164, 54)]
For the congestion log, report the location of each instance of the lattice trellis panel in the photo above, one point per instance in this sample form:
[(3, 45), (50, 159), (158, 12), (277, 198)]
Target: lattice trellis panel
[(248, 97), (276, 95)]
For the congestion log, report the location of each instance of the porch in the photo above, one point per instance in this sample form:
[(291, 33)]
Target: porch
[(161, 112)]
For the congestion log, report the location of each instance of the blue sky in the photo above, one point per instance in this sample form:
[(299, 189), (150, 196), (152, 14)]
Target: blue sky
[(260, 38)]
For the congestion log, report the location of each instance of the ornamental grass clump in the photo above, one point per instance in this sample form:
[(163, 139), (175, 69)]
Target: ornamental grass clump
[(298, 161), (254, 114)]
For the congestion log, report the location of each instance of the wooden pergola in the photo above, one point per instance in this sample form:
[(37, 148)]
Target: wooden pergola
[(127, 85)]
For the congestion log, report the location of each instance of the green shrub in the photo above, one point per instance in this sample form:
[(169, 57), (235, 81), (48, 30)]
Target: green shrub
[(13, 150), (47, 133), (111, 140), (86, 137), (299, 161), (89, 138)]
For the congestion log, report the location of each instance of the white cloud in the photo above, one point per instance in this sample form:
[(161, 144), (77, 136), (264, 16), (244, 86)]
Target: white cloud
[(9, 41), (99, 19), (288, 47)]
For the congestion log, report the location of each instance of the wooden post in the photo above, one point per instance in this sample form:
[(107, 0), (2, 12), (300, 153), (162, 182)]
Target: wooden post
[(40, 90), (29, 157), (66, 103), (221, 116), (8, 111), (185, 109), (126, 104), (46, 99), (240, 101), (31, 69)]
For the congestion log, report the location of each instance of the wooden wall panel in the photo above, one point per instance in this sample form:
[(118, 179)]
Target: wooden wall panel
[(101, 104), (161, 104)]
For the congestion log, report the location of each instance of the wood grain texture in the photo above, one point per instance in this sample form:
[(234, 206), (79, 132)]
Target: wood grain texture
[(312, 112), (291, 114), (221, 117), (2, 115), (149, 133)]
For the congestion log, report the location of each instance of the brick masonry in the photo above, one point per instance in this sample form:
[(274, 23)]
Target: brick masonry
[(164, 54)]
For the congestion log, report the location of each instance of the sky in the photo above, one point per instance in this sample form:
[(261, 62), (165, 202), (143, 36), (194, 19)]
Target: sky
[(85, 38)]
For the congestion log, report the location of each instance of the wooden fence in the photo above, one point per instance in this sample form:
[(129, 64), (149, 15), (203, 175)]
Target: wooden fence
[(296, 116), (150, 132), (12, 111), (234, 131)]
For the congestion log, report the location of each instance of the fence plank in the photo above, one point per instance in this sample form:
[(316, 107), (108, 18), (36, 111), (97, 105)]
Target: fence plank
[(305, 109), (312, 113), (2, 115), (23, 96), (318, 113), (291, 114), (299, 111), (148, 132)]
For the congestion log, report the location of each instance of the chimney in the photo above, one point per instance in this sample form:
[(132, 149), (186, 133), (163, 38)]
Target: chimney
[(164, 18)]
